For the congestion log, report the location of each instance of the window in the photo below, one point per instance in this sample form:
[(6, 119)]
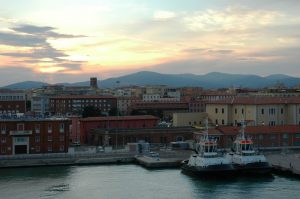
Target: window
[(61, 138), (262, 111), (37, 128), (49, 148), (3, 149), (3, 140), (20, 127), (281, 110), (37, 148), (216, 121), (216, 110), (298, 135), (223, 122), (37, 139), (3, 129), (235, 111), (242, 111), (49, 128), (61, 127), (61, 148), (285, 136), (222, 110), (272, 137), (49, 138)]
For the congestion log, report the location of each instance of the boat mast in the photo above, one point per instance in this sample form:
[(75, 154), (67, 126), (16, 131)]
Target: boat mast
[(243, 129)]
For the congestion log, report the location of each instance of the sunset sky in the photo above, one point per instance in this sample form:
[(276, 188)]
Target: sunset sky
[(70, 40)]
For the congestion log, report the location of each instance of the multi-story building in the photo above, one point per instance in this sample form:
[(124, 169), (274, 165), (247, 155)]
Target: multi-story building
[(124, 104), (189, 119), (255, 110), (12, 102), (34, 135), (197, 105), (217, 95), (74, 104), (161, 109)]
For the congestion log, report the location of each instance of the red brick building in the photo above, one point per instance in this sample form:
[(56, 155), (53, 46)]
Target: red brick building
[(114, 122), (74, 104), (33, 136), (263, 136), (121, 137), (12, 102)]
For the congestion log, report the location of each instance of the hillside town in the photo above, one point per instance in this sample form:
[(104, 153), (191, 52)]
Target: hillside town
[(56, 118)]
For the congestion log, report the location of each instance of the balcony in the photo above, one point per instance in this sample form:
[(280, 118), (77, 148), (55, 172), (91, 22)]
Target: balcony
[(25, 132)]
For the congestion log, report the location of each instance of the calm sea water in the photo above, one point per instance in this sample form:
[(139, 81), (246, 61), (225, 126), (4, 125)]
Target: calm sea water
[(131, 181)]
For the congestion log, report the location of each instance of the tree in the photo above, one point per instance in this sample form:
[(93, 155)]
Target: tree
[(113, 112), (91, 111)]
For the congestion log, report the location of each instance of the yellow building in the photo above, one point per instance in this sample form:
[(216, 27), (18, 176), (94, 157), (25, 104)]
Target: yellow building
[(255, 110), (189, 119)]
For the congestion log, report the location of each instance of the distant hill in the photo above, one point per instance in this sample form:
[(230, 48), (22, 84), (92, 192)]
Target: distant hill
[(210, 80), (26, 85)]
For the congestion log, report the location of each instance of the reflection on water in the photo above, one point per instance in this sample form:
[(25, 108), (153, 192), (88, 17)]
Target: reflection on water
[(131, 181), (34, 172)]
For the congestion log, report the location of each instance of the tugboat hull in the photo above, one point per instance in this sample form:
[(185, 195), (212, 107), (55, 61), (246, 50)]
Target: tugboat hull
[(213, 171), (256, 168)]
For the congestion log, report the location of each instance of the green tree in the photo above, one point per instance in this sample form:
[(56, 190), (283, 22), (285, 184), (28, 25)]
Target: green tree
[(91, 111)]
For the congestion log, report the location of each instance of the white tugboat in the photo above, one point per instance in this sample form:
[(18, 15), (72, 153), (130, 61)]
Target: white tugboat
[(245, 159), (207, 161)]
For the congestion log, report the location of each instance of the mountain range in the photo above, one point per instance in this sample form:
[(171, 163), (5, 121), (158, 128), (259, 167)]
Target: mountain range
[(210, 80)]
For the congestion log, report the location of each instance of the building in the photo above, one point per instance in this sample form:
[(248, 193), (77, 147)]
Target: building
[(34, 135), (197, 105), (74, 104), (118, 138), (268, 137), (189, 119), (111, 122), (12, 102), (160, 109), (255, 110), (93, 82), (125, 103)]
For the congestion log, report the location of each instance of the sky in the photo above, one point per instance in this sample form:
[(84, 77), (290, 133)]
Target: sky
[(59, 41)]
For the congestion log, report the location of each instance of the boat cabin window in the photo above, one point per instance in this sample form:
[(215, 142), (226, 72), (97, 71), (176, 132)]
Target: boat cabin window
[(246, 147), (210, 148)]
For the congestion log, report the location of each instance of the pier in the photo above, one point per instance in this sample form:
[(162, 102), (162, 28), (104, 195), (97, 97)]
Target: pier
[(285, 163)]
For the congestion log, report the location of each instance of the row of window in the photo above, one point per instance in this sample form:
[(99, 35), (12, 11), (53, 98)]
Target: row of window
[(37, 149), (37, 139), (10, 97), (20, 127)]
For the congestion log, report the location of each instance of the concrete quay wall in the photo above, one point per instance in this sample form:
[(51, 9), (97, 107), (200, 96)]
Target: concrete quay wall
[(66, 159), (286, 163)]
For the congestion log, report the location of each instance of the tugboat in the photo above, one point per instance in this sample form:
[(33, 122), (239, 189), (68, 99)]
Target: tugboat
[(207, 162), (245, 159)]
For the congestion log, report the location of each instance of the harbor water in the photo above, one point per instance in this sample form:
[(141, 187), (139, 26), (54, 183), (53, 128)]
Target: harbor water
[(132, 181)]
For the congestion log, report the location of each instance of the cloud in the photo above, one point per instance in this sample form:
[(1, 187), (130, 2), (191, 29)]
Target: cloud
[(163, 15), (13, 39), (43, 31), (35, 51)]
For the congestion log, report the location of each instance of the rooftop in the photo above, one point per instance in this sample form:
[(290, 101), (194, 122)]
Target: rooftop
[(114, 118), (258, 100)]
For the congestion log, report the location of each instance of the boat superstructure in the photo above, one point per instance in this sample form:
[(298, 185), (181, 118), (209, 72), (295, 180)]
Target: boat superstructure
[(207, 161), (244, 158)]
